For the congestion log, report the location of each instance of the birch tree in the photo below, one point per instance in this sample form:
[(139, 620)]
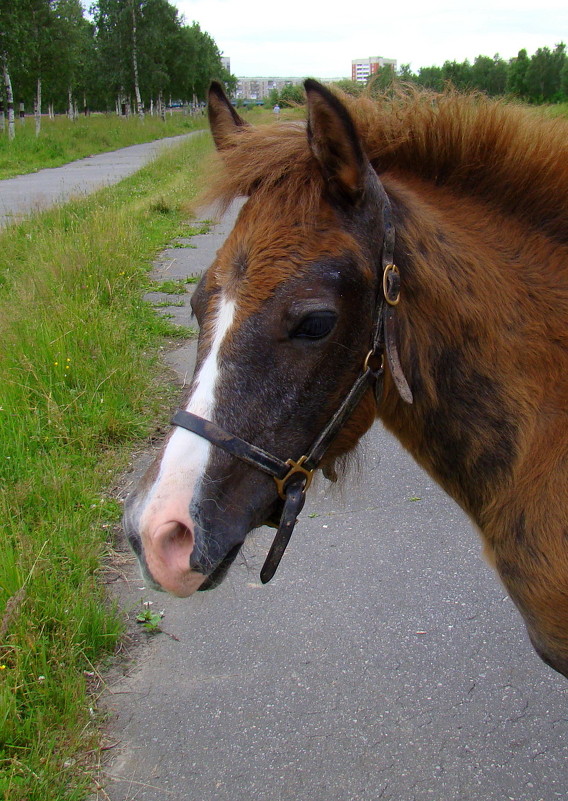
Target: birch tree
[(11, 19), (9, 96), (159, 28), (72, 36), (135, 10), (113, 37), (39, 24)]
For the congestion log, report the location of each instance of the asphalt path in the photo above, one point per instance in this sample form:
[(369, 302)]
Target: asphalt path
[(37, 191), (384, 660)]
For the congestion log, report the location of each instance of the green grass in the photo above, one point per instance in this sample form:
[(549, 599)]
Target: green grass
[(79, 387), (557, 110), (173, 286), (62, 140)]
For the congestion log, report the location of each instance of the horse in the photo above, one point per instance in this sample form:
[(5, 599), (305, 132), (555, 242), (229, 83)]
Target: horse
[(406, 260)]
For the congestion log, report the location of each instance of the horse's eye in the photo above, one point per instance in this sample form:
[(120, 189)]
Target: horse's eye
[(315, 326)]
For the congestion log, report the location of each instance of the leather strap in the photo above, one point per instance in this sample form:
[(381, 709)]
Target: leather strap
[(391, 350), (253, 455), (389, 300), (332, 429), (293, 505)]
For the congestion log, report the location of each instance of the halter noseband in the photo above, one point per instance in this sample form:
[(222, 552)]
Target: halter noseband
[(292, 477)]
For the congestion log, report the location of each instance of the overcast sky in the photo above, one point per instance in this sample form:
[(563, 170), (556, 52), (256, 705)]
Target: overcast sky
[(298, 38)]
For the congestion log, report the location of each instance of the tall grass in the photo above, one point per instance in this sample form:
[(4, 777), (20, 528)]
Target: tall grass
[(62, 140), (79, 366)]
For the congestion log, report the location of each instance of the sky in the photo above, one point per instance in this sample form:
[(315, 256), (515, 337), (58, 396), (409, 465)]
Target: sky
[(312, 38)]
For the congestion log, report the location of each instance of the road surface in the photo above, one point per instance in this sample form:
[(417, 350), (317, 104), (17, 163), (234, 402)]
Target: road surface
[(39, 190)]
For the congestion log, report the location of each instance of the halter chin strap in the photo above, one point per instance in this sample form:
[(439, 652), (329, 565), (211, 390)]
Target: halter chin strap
[(293, 478)]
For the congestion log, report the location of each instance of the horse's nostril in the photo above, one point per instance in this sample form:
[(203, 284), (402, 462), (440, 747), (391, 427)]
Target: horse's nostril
[(182, 535), (168, 551), (175, 539)]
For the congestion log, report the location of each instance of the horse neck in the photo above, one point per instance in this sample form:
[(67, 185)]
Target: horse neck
[(462, 331)]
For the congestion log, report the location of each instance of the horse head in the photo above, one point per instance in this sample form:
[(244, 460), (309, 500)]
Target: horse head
[(286, 314)]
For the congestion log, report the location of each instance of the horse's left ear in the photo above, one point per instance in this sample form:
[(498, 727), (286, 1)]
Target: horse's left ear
[(335, 143), (223, 118)]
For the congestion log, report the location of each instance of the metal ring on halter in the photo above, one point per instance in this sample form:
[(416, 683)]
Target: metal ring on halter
[(367, 362), (391, 271)]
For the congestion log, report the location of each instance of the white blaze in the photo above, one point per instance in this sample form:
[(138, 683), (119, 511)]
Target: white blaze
[(186, 455), (202, 398)]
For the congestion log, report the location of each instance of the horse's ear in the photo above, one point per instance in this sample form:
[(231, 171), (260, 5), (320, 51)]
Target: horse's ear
[(223, 118), (335, 143)]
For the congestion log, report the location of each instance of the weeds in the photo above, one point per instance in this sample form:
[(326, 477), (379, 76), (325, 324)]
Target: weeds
[(173, 286), (150, 620), (167, 304)]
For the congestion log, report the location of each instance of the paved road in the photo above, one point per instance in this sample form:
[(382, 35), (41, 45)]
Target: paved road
[(35, 192), (384, 661)]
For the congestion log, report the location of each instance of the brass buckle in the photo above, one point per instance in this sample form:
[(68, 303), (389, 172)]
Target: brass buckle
[(391, 268), (295, 467)]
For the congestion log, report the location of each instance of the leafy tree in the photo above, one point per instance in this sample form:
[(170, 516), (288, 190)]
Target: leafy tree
[(173, 60), (405, 73), (459, 74), (431, 78), (292, 96), (543, 76), (272, 99), (207, 65), (160, 44), (72, 44), (113, 37), (12, 24), (489, 74), (564, 79), (517, 75), (40, 21), (30, 47)]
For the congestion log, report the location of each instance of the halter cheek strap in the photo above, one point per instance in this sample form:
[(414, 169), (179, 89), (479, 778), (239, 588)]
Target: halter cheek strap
[(293, 478)]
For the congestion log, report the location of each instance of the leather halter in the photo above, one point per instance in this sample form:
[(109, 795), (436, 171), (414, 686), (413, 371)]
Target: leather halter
[(292, 477)]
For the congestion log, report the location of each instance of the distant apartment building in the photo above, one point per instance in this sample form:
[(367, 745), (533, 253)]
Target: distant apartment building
[(362, 68), (226, 63), (259, 88)]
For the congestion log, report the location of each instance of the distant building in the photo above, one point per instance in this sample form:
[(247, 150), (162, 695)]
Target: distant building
[(226, 63), (362, 68), (259, 88)]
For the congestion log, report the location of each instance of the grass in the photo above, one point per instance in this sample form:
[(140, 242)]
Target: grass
[(79, 387), (62, 140), (557, 110), (171, 286)]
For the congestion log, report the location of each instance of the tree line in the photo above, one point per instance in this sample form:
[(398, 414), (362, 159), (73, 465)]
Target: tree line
[(540, 78), (128, 55)]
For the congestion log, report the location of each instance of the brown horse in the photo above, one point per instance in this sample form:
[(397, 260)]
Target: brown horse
[(469, 199)]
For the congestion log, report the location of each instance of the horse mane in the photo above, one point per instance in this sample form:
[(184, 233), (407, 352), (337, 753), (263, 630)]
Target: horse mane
[(511, 156)]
